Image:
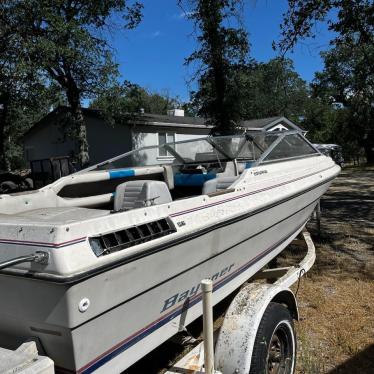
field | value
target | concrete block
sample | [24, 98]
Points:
[25, 360]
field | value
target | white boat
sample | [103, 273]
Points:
[104, 265]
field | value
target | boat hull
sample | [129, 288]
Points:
[137, 305]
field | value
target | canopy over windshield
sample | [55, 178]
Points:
[258, 147]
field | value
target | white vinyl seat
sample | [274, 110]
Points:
[229, 170]
[217, 184]
[141, 193]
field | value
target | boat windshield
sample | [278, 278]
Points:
[256, 147]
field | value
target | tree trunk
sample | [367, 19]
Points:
[80, 131]
[83, 155]
[210, 17]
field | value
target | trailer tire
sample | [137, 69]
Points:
[274, 349]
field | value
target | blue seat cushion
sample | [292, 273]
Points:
[181, 179]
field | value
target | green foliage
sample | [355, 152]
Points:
[353, 17]
[66, 39]
[121, 102]
[221, 53]
[23, 115]
[266, 89]
[348, 75]
[25, 95]
[274, 88]
[66, 42]
[232, 87]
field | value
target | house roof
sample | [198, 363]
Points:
[167, 120]
[267, 123]
[259, 123]
[138, 119]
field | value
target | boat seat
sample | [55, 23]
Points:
[229, 170]
[141, 193]
[219, 183]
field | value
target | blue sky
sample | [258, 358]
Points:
[152, 55]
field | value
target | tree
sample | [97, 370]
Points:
[121, 102]
[66, 40]
[24, 95]
[266, 89]
[347, 79]
[348, 76]
[221, 53]
[8, 73]
[272, 89]
[353, 17]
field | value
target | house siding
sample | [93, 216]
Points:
[48, 141]
[106, 141]
[144, 136]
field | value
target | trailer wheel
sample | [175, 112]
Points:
[274, 350]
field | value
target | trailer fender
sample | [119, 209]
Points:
[234, 346]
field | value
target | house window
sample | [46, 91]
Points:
[165, 137]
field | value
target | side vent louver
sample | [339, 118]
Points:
[118, 240]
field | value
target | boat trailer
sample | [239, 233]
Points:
[237, 340]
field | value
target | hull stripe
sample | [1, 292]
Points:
[191, 267]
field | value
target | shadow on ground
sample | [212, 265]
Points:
[363, 362]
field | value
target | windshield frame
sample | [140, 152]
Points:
[248, 137]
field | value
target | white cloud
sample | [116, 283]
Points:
[156, 34]
[183, 15]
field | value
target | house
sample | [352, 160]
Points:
[46, 138]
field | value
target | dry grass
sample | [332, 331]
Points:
[337, 322]
[336, 331]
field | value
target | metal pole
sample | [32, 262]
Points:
[207, 288]
[39, 257]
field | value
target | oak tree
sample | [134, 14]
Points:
[68, 41]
